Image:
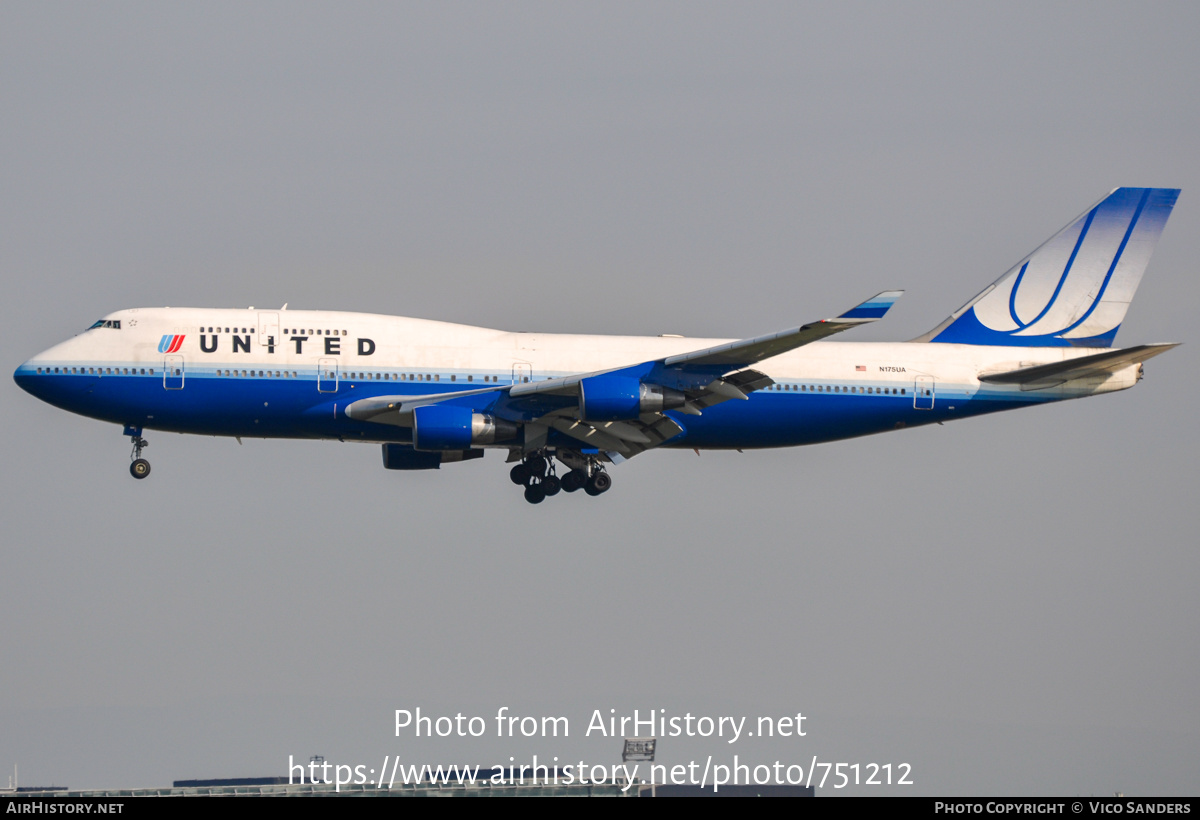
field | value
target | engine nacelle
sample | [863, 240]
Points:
[438, 427]
[403, 457]
[619, 398]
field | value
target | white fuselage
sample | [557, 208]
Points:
[211, 370]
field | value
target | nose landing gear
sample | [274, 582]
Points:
[139, 468]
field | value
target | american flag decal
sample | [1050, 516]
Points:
[860, 367]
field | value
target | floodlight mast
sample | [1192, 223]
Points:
[641, 749]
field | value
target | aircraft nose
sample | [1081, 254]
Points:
[26, 377]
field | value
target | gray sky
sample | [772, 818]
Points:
[1006, 603]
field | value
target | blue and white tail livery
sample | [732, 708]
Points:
[1073, 290]
[434, 393]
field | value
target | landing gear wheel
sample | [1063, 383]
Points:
[519, 474]
[598, 483]
[551, 484]
[574, 480]
[536, 465]
[535, 494]
[139, 467]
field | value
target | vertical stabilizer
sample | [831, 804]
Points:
[1074, 290]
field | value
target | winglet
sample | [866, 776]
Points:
[871, 310]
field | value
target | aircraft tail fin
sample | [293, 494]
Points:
[1072, 291]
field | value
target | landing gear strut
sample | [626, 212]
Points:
[537, 474]
[139, 468]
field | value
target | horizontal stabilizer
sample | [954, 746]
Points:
[1078, 368]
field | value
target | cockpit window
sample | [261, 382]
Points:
[113, 323]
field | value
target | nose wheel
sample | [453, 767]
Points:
[139, 468]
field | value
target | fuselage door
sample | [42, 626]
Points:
[268, 331]
[923, 393]
[173, 372]
[522, 372]
[327, 375]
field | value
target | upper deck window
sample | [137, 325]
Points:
[113, 323]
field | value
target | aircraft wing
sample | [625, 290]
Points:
[623, 411]
[753, 350]
[628, 437]
[733, 355]
[398, 410]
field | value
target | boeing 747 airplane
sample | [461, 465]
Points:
[433, 393]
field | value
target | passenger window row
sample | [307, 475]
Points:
[837, 388]
[435, 377]
[286, 331]
[96, 371]
[414, 377]
[266, 374]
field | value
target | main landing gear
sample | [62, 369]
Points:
[537, 474]
[139, 468]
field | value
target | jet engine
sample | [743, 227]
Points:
[436, 427]
[619, 398]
